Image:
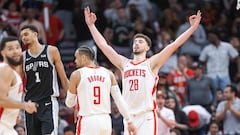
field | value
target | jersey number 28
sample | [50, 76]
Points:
[133, 84]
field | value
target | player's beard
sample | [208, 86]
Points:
[13, 62]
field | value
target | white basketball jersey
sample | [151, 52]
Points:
[139, 87]
[93, 91]
[8, 117]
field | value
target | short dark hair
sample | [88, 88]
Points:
[140, 35]
[5, 40]
[233, 89]
[87, 51]
[31, 27]
[68, 128]
[19, 125]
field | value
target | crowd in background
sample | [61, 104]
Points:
[200, 58]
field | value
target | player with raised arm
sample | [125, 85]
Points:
[140, 74]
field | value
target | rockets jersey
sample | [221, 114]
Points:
[41, 75]
[8, 116]
[139, 87]
[93, 91]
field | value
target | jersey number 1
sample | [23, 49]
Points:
[96, 94]
[37, 77]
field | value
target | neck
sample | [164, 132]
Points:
[233, 99]
[90, 64]
[199, 77]
[139, 57]
[35, 47]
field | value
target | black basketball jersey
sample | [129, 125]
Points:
[41, 75]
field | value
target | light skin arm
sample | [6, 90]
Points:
[168, 122]
[131, 127]
[160, 58]
[220, 115]
[74, 81]
[181, 126]
[6, 80]
[56, 58]
[234, 112]
[115, 58]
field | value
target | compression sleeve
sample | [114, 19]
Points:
[121, 104]
[70, 99]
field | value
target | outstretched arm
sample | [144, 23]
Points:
[160, 58]
[108, 51]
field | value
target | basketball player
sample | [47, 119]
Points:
[93, 85]
[41, 65]
[11, 88]
[140, 73]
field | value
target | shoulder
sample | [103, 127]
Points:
[5, 70]
[221, 103]
[225, 44]
[108, 71]
[52, 50]
[208, 47]
[75, 75]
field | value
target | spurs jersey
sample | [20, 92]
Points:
[41, 75]
[8, 117]
[93, 91]
[139, 87]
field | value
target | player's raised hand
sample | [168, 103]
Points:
[90, 17]
[131, 129]
[30, 107]
[194, 20]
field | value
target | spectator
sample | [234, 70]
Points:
[193, 46]
[214, 129]
[198, 117]
[3, 23]
[180, 117]
[174, 131]
[234, 66]
[13, 17]
[55, 32]
[111, 11]
[69, 130]
[117, 119]
[143, 7]
[217, 56]
[64, 10]
[178, 78]
[164, 87]
[123, 32]
[200, 86]
[166, 119]
[20, 129]
[30, 20]
[219, 96]
[228, 111]
[61, 125]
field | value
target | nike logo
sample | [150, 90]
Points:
[46, 104]
[27, 59]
